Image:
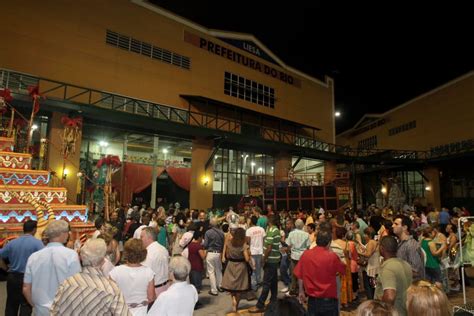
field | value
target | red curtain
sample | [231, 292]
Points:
[180, 176]
[137, 177]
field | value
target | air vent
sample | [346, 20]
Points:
[136, 46]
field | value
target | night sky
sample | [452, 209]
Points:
[380, 54]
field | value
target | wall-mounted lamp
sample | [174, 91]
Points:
[65, 173]
[428, 188]
[205, 180]
[383, 190]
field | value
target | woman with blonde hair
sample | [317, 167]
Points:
[375, 308]
[425, 298]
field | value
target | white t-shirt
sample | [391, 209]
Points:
[157, 259]
[178, 300]
[256, 234]
[133, 282]
[138, 232]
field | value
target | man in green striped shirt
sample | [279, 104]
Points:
[271, 262]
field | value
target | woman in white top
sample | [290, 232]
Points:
[371, 251]
[135, 280]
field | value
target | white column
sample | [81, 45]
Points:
[154, 171]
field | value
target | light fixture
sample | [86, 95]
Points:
[260, 169]
[383, 190]
[79, 174]
[34, 127]
[165, 150]
[252, 164]
[205, 180]
[427, 188]
[215, 157]
[337, 114]
[65, 173]
[103, 143]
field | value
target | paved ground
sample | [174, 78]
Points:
[221, 305]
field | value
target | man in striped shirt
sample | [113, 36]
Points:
[90, 292]
[271, 262]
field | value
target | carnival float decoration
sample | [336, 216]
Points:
[107, 166]
[26, 193]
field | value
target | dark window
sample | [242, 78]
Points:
[248, 90]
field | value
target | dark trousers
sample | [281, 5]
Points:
[323, 306]
[270, 284]
[195, 278]
[369, 290]
[355, 282]
[294, 279]
[284, 265]
[15, 299]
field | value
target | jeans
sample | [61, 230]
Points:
[256, 274]
[195, 278]
[15, 299]
[270, 284]
[284, 265]
[322, 306]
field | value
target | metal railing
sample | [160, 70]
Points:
[55, 90]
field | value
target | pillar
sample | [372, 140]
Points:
[154, 171]
[282, 166]
[433, 195]
[329, 171]
[200, 196]
[122, 170]
[55, 157]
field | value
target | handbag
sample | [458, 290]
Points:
[362, 260]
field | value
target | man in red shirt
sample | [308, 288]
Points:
[316, 273]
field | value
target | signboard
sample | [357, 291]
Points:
[230, 54]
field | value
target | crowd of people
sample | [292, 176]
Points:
[153, 262]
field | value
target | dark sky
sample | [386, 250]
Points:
[380, 54]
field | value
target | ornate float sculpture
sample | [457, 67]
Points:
[107, 166]
[26, 193]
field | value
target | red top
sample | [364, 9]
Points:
[194, 257]
[317, 268]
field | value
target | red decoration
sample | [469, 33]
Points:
[71, 122]
[20, 123]
[34, 93]
[6, 95]
[109, 160]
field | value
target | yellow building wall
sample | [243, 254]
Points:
[57, 163]
[443, 116]
[200, 197]
[64, 40]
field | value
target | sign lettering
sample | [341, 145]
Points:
[236, 57]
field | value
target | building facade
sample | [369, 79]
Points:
[437, 124]
[161, 91]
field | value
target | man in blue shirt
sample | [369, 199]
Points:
[17, 252]
[48, 268]
[443, 219]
